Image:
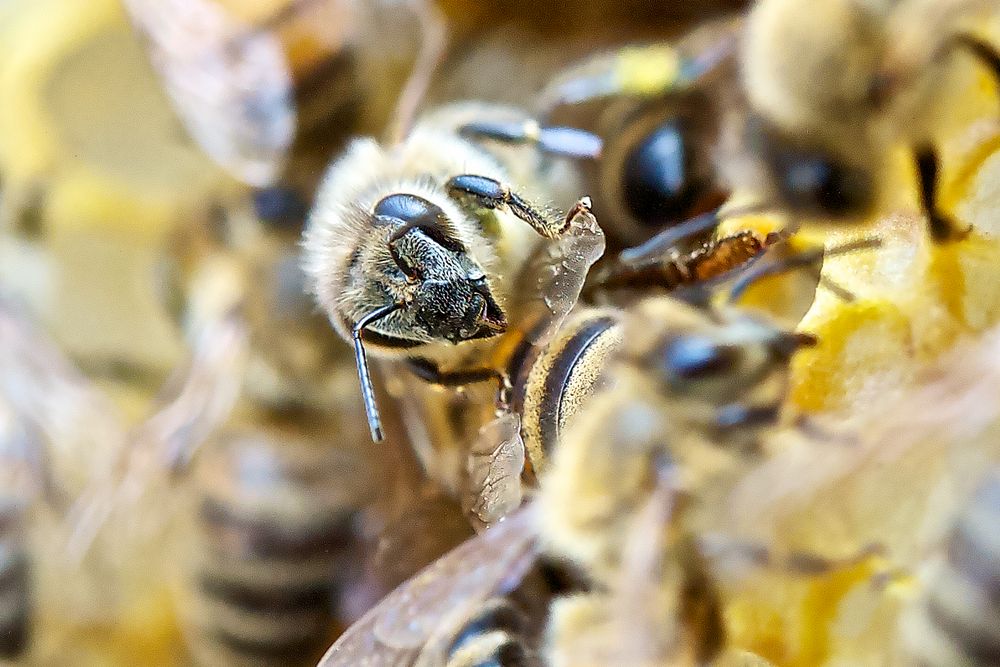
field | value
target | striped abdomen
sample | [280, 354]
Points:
[958, 622]
[553, 382]
[15, 580]
[495, 636]
[273, 532]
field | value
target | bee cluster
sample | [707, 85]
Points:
[444, 333]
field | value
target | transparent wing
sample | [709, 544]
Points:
[77, 427]
[496, 460]
[396, 629]
[554, 277]
[195, 405]
[230, 84]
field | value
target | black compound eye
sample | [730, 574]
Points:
[658, 183]
[821, 183]
[696, 357]
[280, 207]
[810, 178]
[406, 207]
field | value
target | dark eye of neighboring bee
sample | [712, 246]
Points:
[280, 207]
[657, 183]
[811, 179]
[694, 357]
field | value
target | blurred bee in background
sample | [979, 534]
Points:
[92, 528]
[955, 621]
[832, 88]
[275, 545]
[646, 121]
[21, 488]
[686, 383]
[270, 91]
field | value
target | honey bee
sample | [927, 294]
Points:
[423, 618]
[270, 92]
[276, 521]
[649, 154]
[685, 381]
[414, 246]
[832, 88]
[953, 623]
[94, 495]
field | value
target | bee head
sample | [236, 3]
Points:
[450, 295]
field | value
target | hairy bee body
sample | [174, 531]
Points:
[834, 88]
[958, 620]
[344, 250]
[275, 527]
[685, 388]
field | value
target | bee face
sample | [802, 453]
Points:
[722, 362]
[448, 296]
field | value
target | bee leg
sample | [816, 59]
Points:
[718, 547]
[428, 371]
[671, 237]
[554, 140]
[942, 227]
[490, 193]
[806, 259]
[712, 261]
[983, 51]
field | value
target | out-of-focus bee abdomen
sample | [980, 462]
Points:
[493, 636]
[272, 531]
[556, 381]
[15, 584]
[958, 622]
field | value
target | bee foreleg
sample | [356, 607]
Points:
[428, 371]
[491, 193]
[942, 227]
[553, 140]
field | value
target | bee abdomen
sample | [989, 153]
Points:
[562, 376]
[15, 582]
[959, 621]
[493, 637]
[271, 539]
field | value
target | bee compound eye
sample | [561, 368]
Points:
[657, 179]
[696, 357]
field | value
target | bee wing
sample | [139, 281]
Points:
[644, 70]
[395, 631]
[554, 277]
[230, 84]
[195, 407]
[78, 429]
[496, 460]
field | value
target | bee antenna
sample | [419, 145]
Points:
[367, 390]
[805, 259]
[434, 29]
